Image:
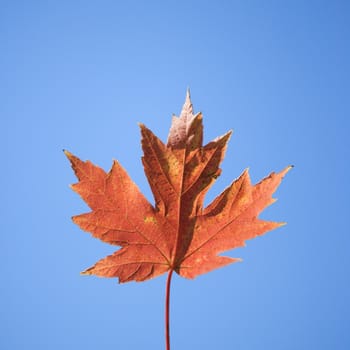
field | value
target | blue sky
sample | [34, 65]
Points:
[80, 75]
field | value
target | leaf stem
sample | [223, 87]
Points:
[167, 304]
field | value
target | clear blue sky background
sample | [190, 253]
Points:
[80, 75]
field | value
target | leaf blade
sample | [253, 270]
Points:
[177, 233]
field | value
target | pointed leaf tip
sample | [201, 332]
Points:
[188, 94]
[187, 107]
[67, 153]
[287, 169]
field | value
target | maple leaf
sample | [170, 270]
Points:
[177, 233]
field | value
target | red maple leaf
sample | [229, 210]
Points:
[177, 233]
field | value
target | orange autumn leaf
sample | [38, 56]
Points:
[177, 233]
